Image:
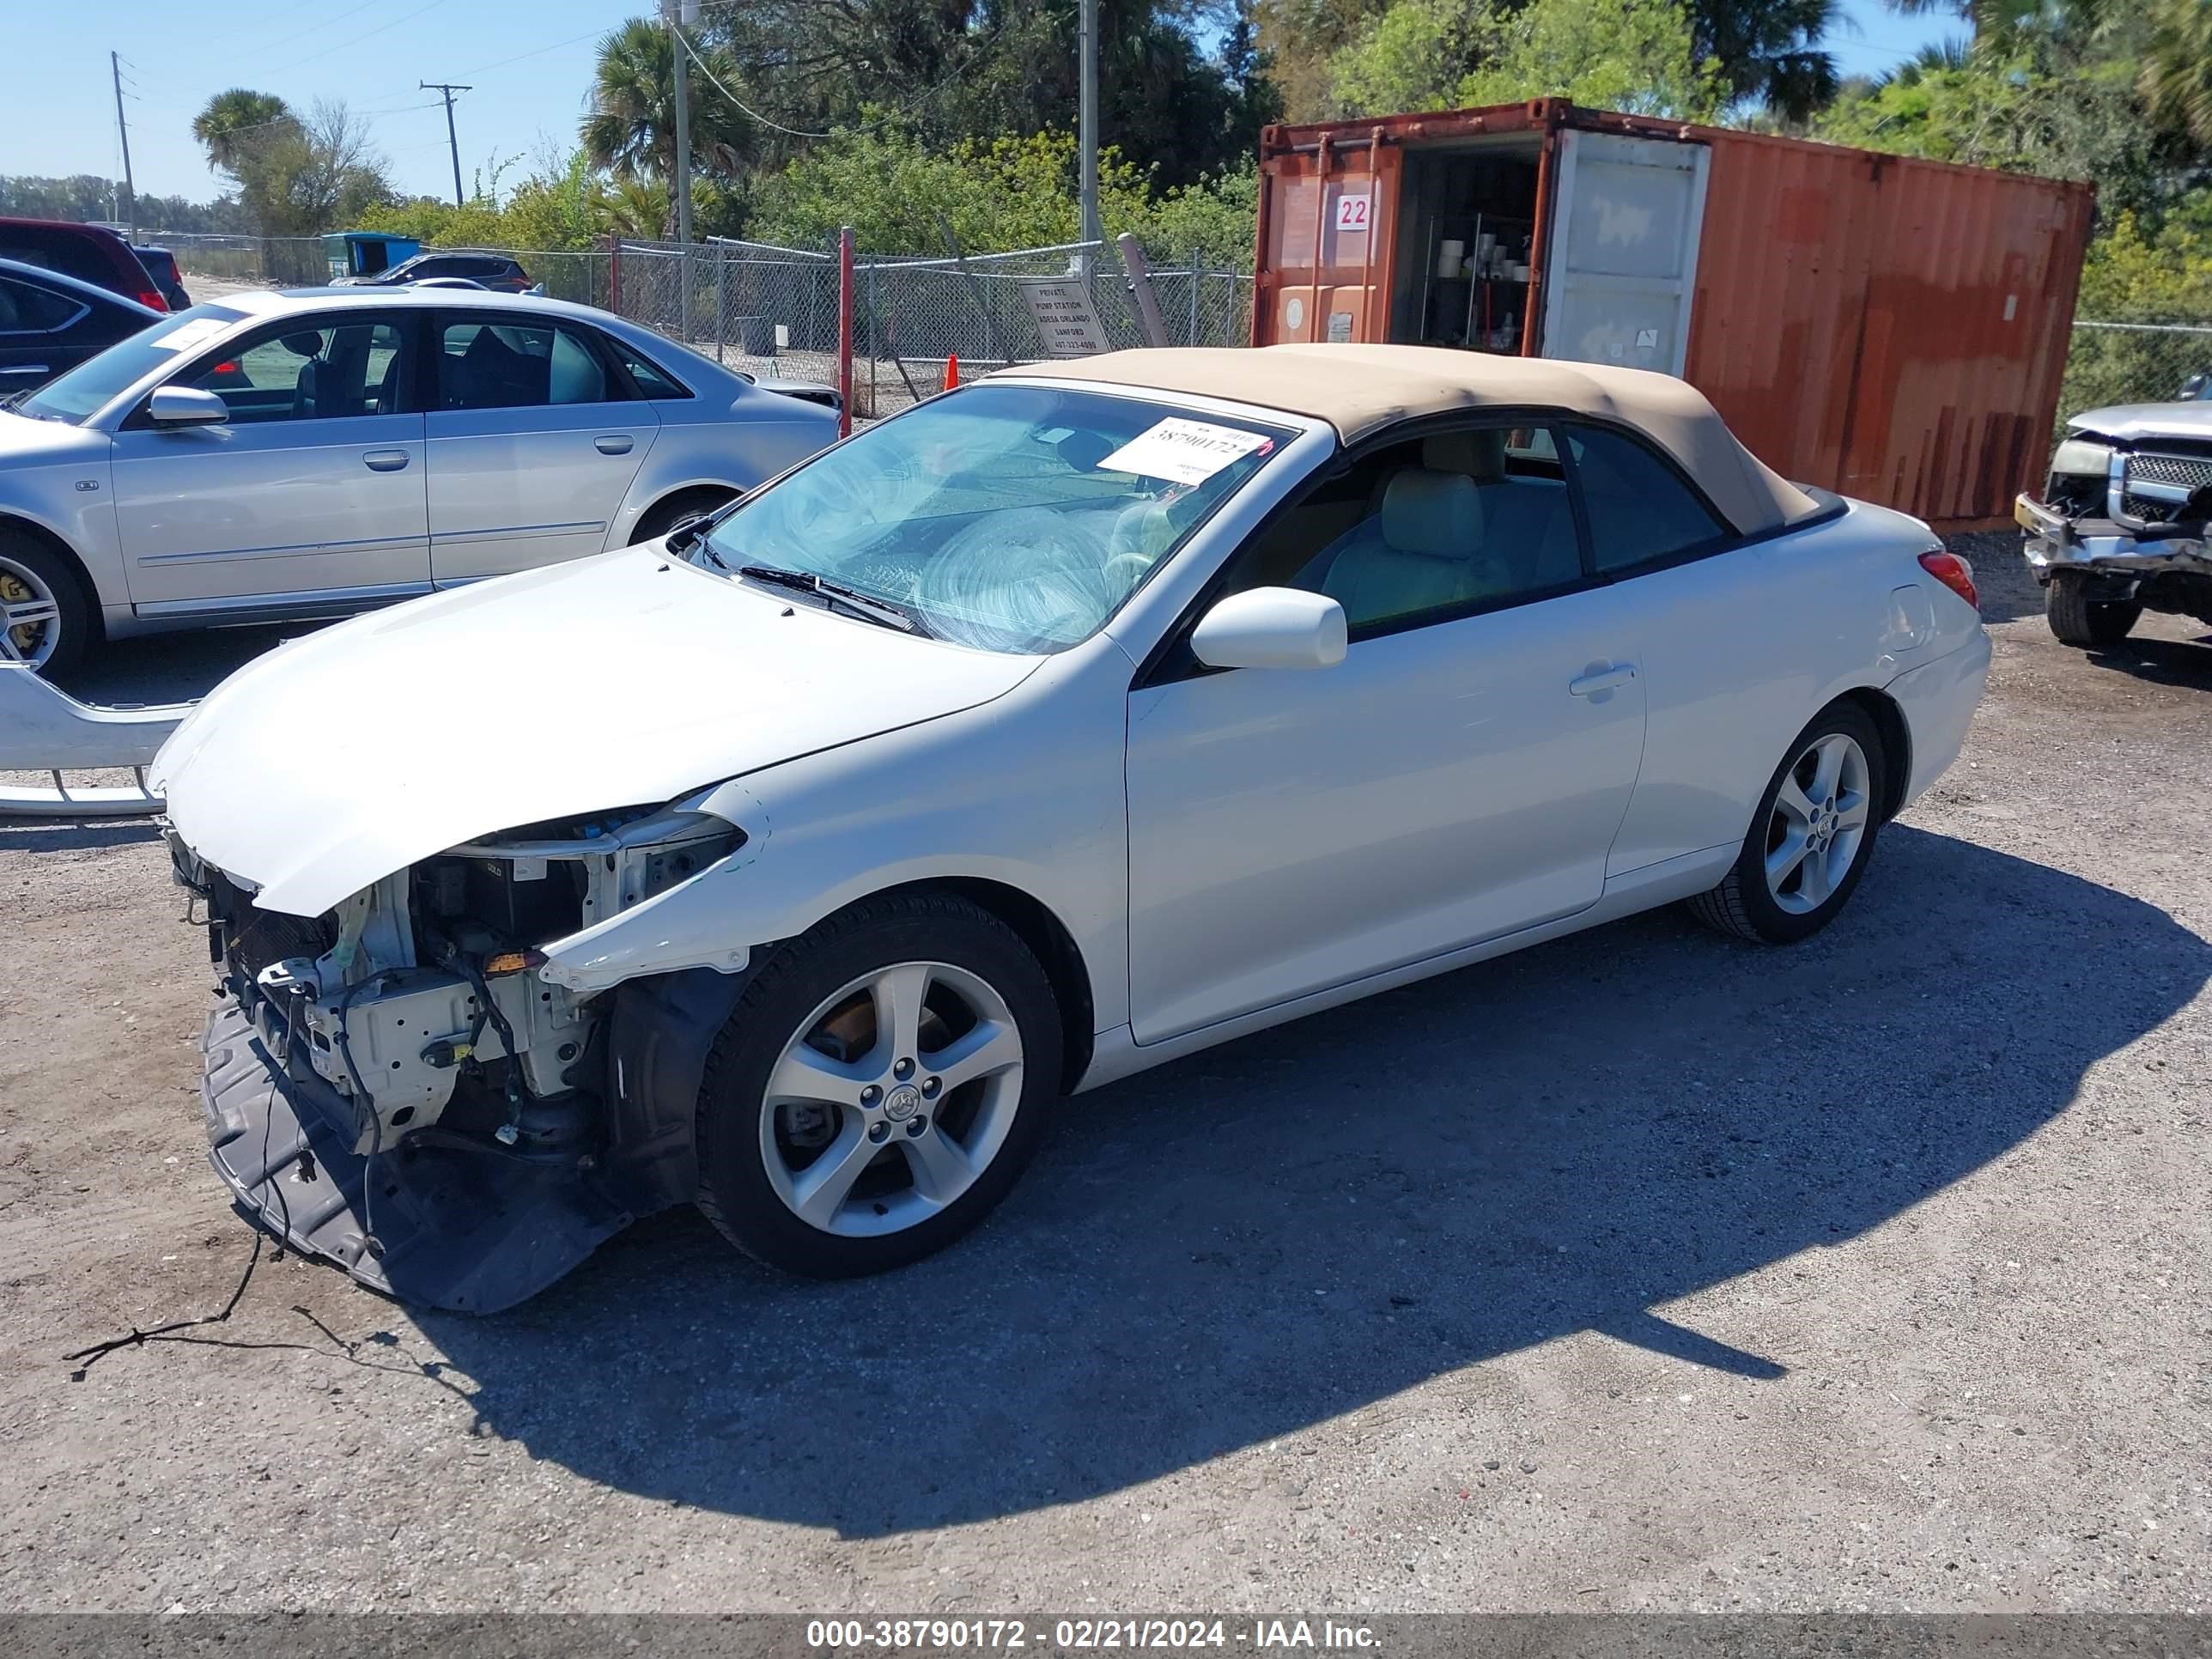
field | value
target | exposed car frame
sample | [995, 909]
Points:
[2120, 526]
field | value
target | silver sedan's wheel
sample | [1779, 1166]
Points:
[892, 1099]
[1819, 818]
[30, 614]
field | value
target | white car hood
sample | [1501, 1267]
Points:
[625, 679]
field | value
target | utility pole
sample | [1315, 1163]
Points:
[1086, 136]
[678, 13]
[455, 143]
[122, 132]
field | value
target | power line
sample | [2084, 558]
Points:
[302, 35]
[356, 39]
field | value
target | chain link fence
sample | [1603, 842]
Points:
[2109, 363]
[773, 312]
[584, 276]
[248, 261]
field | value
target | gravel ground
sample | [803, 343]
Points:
[1640, 1270]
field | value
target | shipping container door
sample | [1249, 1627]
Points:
[1327, 222]
[1623, 259]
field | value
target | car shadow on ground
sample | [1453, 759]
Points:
[171, 667]
[2186, 663]
[1260, 1238]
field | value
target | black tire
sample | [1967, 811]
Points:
[1742, 905]
[664, 516]
[76, 621]
[735, 1189]
[2092, 624]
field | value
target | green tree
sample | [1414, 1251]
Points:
[1763, 52]
[1634, 55]
[235, 125]
[951, 70]
[295, 175]
[2176, 80]
[629, 124]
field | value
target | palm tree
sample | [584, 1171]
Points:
[629, 126]
[631, 207]
[232, 121]
[2176, 70]
[1952, 51]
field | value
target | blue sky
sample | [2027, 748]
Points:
[529, 61]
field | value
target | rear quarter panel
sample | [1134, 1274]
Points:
[740, 448]
[1739, 650]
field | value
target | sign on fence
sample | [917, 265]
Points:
[1066, 321]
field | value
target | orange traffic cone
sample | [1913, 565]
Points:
[951, 371]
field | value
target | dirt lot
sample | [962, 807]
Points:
[1640, 1270]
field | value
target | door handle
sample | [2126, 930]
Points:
[24, 369]
[383, 460]
[612, 443]
[1602, 679]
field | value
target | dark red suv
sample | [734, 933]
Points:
[87, 252]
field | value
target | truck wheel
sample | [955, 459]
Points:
[1810, 838]
[878, 1087]
[2092, 624]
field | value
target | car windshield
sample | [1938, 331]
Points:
[95, 381]
[1008, 518]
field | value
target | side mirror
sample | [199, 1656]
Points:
[186, 405]
[1272, 628]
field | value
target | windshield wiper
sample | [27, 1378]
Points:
[865, 605]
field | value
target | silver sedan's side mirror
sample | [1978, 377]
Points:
[1272, 628]
[186, 405]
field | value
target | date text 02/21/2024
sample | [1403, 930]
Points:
[1083, 1635]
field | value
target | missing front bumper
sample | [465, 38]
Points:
[2104, 549]
[458, 1229]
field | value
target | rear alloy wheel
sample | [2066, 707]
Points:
[2092, 624]
[1811, 836]
[878, 1087]
[44, 619]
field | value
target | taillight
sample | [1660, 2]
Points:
[1954, 572]
[152, 299]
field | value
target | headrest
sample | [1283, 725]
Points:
[1438, 513]
[1480, 455]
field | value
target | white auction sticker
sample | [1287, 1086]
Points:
[198, 331]
[1186, 451]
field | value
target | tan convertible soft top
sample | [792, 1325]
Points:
[1362, 389]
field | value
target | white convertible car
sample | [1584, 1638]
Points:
[796, 866]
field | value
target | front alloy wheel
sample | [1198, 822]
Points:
[879, 1086]
[31, 621]
[875, 1143]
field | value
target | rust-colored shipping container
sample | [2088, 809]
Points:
[1891, 328]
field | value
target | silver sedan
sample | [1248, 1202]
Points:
[311, 454]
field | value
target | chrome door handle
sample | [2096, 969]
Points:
[1602, 679]
[613, 443]
[383, 460]
[24, 369]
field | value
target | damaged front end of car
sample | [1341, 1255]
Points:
[405, 1085]
[2124, 515]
